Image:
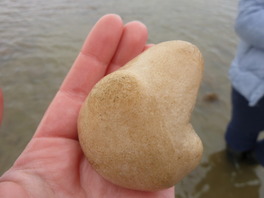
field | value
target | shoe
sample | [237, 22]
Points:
[246, 157]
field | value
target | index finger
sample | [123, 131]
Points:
[60, 120]
[96, 53]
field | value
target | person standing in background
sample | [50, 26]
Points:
[247, 79]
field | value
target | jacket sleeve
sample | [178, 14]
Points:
[250, 23]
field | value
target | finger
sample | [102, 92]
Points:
[132, 43]
[60, 120]
[96, 54]
[148, 46]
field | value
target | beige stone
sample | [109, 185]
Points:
[134, 127]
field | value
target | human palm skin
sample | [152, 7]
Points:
[53, 164]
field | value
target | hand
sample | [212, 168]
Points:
[53, 164]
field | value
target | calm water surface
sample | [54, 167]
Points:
[39, 41]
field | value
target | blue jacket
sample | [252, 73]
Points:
[247, 69]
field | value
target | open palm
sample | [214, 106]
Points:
[53, 164]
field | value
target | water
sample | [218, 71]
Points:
[39, 41]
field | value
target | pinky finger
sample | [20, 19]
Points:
[148, 46]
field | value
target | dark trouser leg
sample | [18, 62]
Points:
[259, 150]
[246, 123]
